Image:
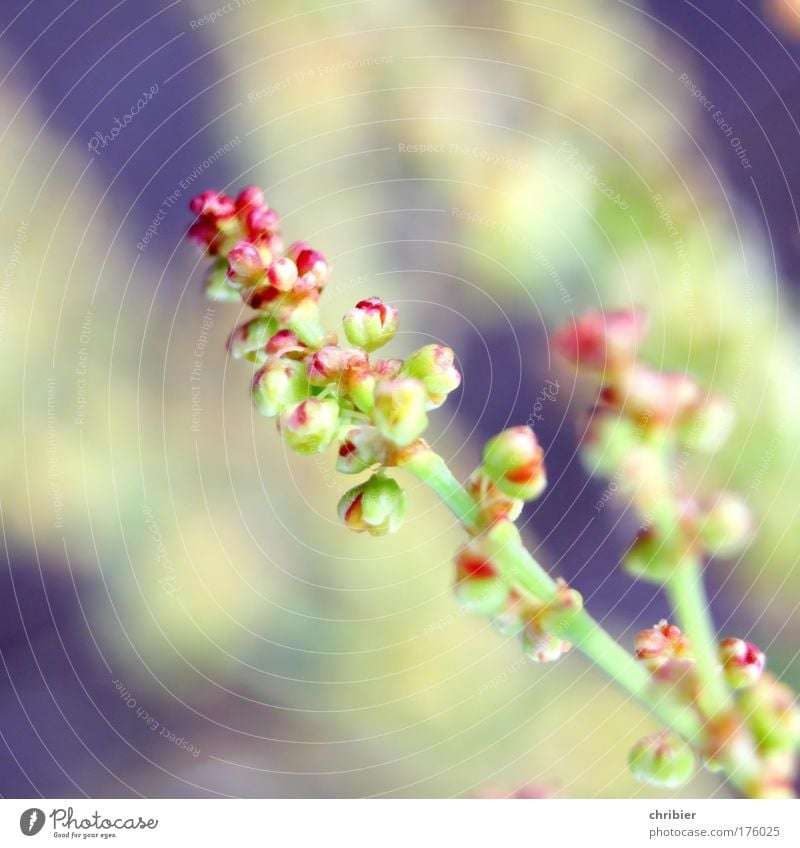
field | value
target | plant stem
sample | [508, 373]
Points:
[516, 562]
[686, 594]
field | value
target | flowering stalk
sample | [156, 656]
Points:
[375, 411]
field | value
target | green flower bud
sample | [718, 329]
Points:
[724, 524]
[433, 365]
[251, 336]
[772, 713]
[399, 411]
[281, 384]
[479, 589]
[371, 323]
[514, 461]
[651, 558]
[662, 760]
[377, 506]
[359, 449]
[707, 424]
[311, 426]
[218, 286]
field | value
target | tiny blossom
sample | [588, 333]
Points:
[479, 587]
[742, 662]
[434, 366]
[360, 448]
[400, 410]
[311, 426]
[514, 461]
[371, 323]
[660, 643]
[279, 385]
[282, 274]
[602, 340]
[663, 760]
[377, 506]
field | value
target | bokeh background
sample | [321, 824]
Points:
[180, 612]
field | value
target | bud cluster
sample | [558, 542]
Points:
[321, 392]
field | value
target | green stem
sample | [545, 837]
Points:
[520, 567]
[686, 594]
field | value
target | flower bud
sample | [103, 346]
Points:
[540, 646]
[359, 449]
[514, 461]
[661, 643]
[652, 558]
[609, 441]
[218, 285]
[707, 424]
[772, 712]
[602, 340]
[399, 412]
[248, 199]
[213, 205]
[493, 505]
[262, 222]
[282, 274]
[370, 324]
[742, 662]
[251, 336]
[662, 760]
[377, 506]
[311, 263]
[279, 385]
[311, 426]
[246, 262]
[479, 589]
[433, 365]
[648, 396]
[724, 524]
[330, 363]
[285, 342]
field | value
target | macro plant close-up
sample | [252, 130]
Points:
[401, 403]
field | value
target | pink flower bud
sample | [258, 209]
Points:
[514, 461]
[433, 364]
[262, 222]
[246, 261]
[371, 323]
[742, 662]
[663, 760]
[282, 274]
[399, 412]
[331, 363]
[602, 340]
[377, 506]
[386, 369]
[213, 205]
[651, 397]
[658, 644]
[279, 385]
[205, 234]
[725, 524]
[359, 449]
[311, 263]
[284, 341]
[296, 248]
[248, 199]
[311, 426]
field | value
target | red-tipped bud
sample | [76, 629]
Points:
[262, 222]
[311, 426]
[280, 385]
[246, 261]
[661, 643]
[479, 588]
[377, 506]
[296, 248]
[311, 263]
[213, 205]
[359, 449]
[742, 662]
[330, 364]
[282, 274]
[514, 461]
[663, 760]
[371, 323]
[434, 366]
[248, 199]
[284, 342]
[602, 340]
[251, 336]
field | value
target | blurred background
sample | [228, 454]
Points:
[180, 612]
